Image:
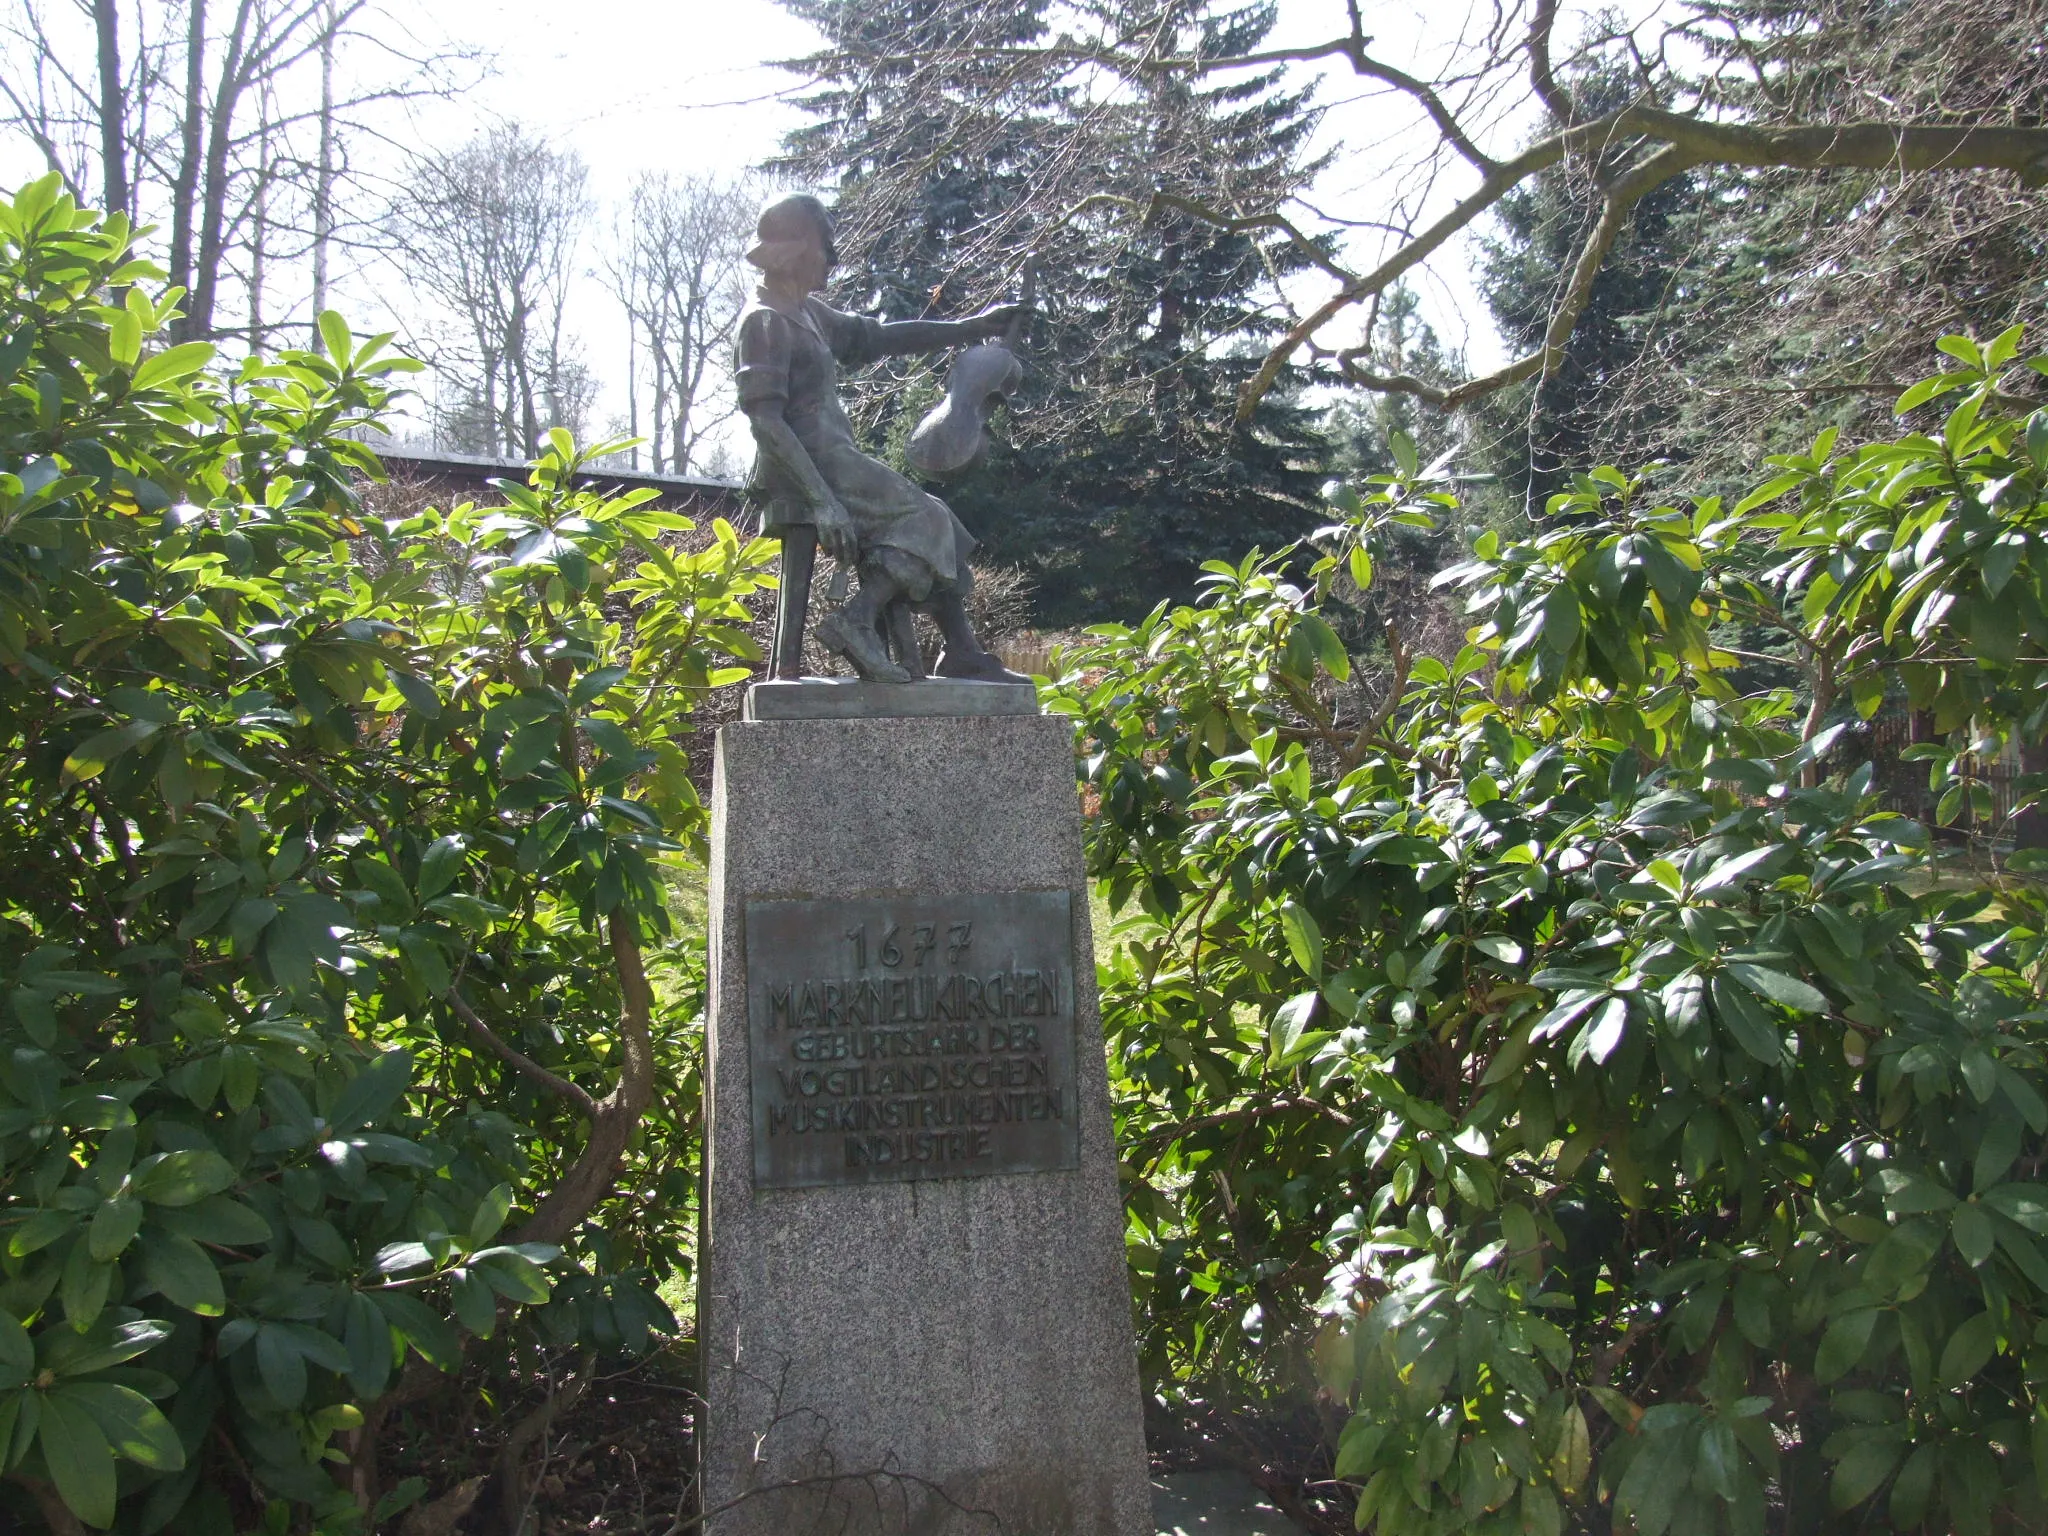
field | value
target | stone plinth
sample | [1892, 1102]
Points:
[849, 698]
[913, 1310]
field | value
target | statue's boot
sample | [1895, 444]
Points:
[964, 656]
[844, 634]
[977, 666]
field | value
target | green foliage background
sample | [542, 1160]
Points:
[335, 952]
[1565, 1063]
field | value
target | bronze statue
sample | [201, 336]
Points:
[909, 549]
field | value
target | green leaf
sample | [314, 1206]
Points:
[172, 364]
[185, 1273]
[1304, 939]
[438, 866]
[491, 1212]
[421, 1326]
[1561, 625]
[476, 1304]
[1912, 1194]
[1912, 1490]
[89, 759]
[1973, 1233]
[512, 1275]
[1656, 1478]
[280, 1364]
[1746, 1021]
[114, 1226]
[374, 1092]
[216, 1219]
[80, 1460]
[1719, 1468]
[1843, 1343]
[17, 1357]
[2026, 1204]
[1290, 1023]
[1928, 389]
[127, 1341]
[1329, 650]
[529, 747]
[334, 335]
[83, 1288]
[368, 1337]
[1603, 1032]
[182, 1178]
[1963, 349]
[1779, 988]
[1402, 446]
[1495, 947]
[1861, 1472]
[1995, 1153]
[1968, 1351]
[1358, 1445]
[39, 1231]
[1571, 1463]
[134, 1428]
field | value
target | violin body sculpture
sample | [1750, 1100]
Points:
[954, 434]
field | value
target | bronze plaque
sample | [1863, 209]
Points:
[913, 1037]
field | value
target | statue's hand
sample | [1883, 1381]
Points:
[835, 533]
[996, 319]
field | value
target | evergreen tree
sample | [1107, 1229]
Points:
[1124, 471]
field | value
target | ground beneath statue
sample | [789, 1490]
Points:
[618, 1463]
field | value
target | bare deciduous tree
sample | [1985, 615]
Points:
[675, 266]
[196, 116]
[487, 234]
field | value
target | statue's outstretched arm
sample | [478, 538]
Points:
[781, 450]
[898, 337]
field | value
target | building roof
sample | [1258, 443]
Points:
[464, 469]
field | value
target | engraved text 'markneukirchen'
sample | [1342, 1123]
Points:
[940, 1044]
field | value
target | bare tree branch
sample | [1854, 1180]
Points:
[520, 1062]
[1541, 77]
[1688, 142]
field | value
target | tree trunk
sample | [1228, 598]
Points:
[259, 235]
[185, 187]
[633, 381]
[214, 203]
[113, 110]
[323, 172]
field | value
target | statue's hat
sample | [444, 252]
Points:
[785, 224]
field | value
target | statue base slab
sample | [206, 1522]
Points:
[850, 698]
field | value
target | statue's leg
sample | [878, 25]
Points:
[793, 601]
[902, 622]
[855, 631]
[964, 655]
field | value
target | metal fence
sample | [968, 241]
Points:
[1902, 781]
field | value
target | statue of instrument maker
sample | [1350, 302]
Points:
[908, 547]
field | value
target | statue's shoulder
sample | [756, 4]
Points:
[762, 317]
[850, 337]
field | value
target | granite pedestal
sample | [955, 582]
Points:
[913, 1309]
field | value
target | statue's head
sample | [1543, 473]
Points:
[793, 239]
